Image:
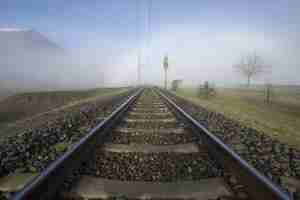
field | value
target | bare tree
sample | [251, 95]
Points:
[250, 66]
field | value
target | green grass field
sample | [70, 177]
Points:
[280, 118]
[20, 106]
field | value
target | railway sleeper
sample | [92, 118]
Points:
[148, 148]
[95, 188]
[152, 115]
[139, 136]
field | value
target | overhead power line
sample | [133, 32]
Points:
[146, 29]
[149, 21]
[138, 42]
[148, 36]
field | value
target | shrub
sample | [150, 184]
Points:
[206, 91]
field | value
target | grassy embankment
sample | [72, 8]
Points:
[30, 105]
[280, 118]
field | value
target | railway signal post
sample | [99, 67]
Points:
[166, 66]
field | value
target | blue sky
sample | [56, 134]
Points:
[110, 27]
[71, 22]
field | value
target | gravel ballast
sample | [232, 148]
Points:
[278, 161]
[151, 167]
[33, 149]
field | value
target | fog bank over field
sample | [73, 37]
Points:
[30, 61]
[198, 55]
[195, 56]
[100, 46]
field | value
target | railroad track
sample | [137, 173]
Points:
[149, 148]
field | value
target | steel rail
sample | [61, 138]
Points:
[47, 184]
[257, 185]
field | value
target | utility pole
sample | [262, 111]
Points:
[139, 68]
[166, 66]
[138, 42]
